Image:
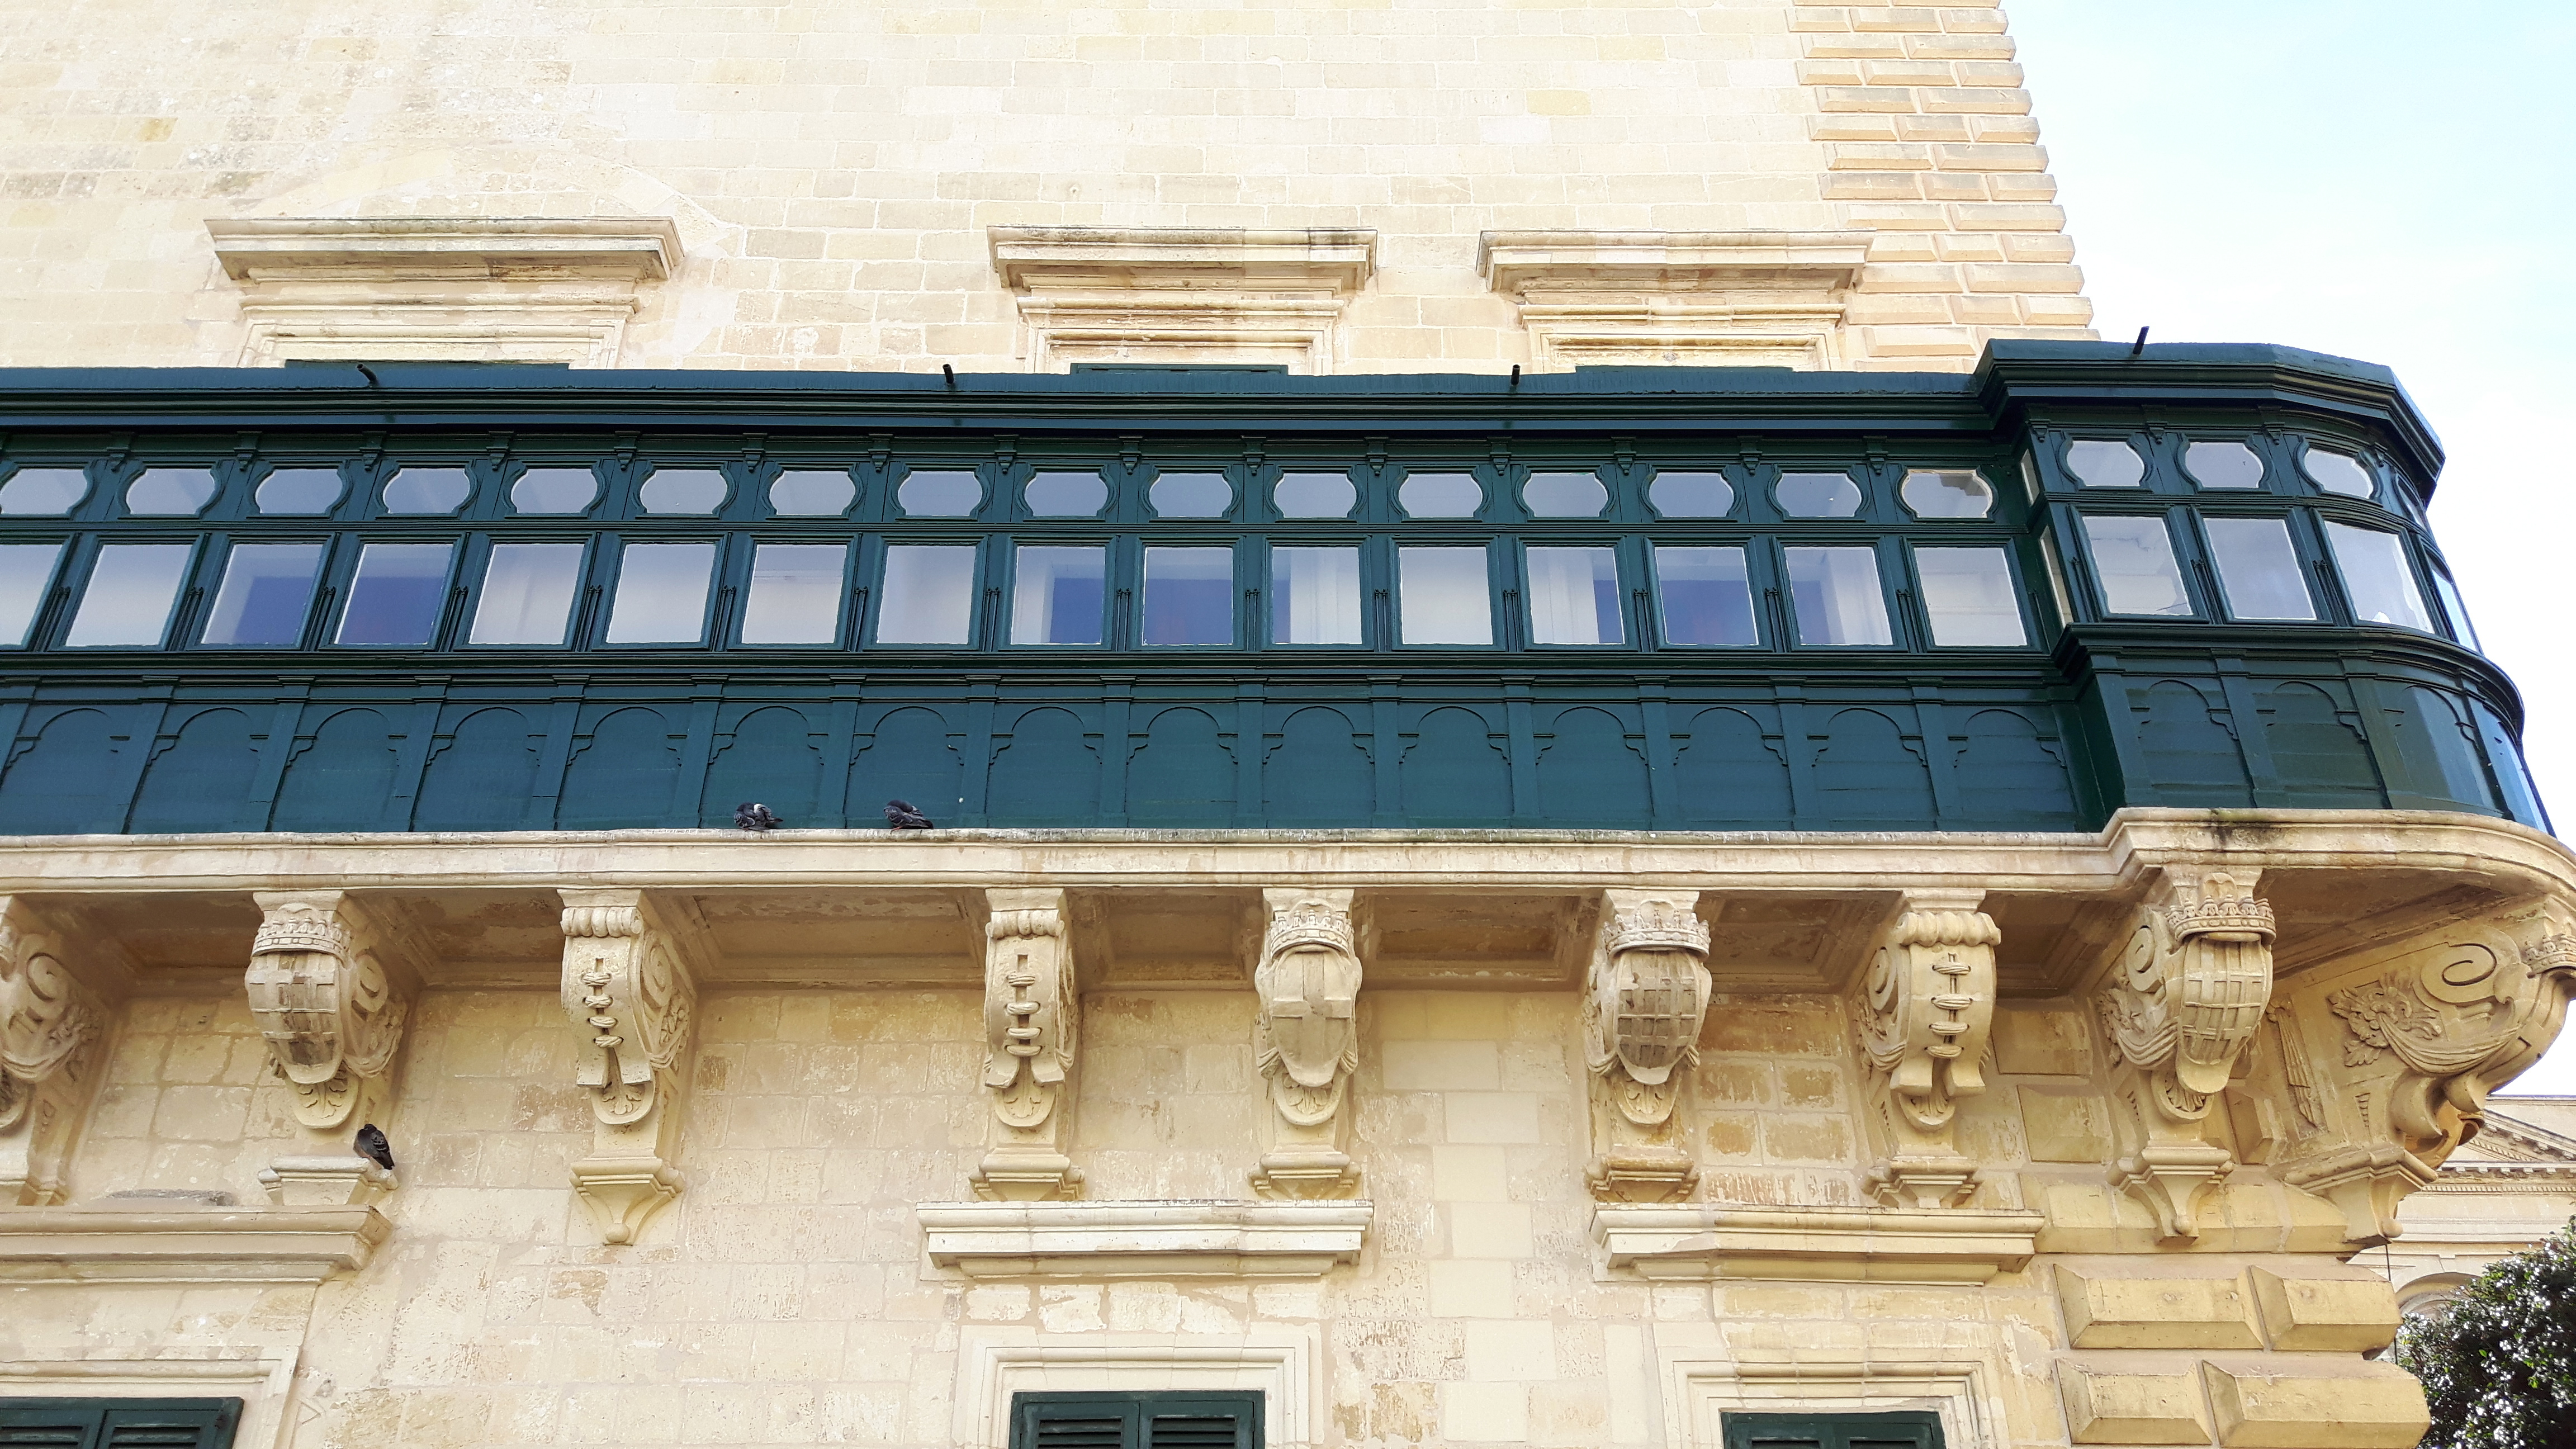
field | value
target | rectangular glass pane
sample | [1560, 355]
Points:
[527, 594]
[1968, 596]
[130, 592]
[1707, 597]
[2376, 576]
[2057, 590]
[795, 593]
[2134, 558]
[1574, 596]
[929, 594]
[1058, 593]
[1314, 596]
[1836, 596]
[662, 593]
[267, 590]
[2258, 570]
[1442, 596]
[2461, 628]
[25, 571]
[1189, 596]
[396, 594]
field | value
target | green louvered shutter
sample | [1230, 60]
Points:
[119, 1423]
[1907, 1430]
[1219, 1420]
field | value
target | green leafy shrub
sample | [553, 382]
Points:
[2499, 1367]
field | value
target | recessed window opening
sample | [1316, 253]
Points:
[26, 570]
[1058, 594]
[2223, 465]
[1817, 495]
[662, 593]
[1932, 493]
[43, 492]
[2375, 575]
[928, 595]
[1314, 495]
[1066, 495]
[695, 491]
[2339, 473]
[1443, 596]
[170, 492]
[2258, 569]
[131, 590]
[940, 494]
[1315, 596]
[267, 589]
[1191, 495]
[1189, 596]
[1574, 596]
[2104, 463]
[1440, 495]
[1968, 597]
[2134, 559]
[554, 491]
[299, 492]
[527, 594]
[795, 595]
[1691, 495]
[1707, 597]
[1836, 595]
[812, 493]
[427, 490]
[1565, 495]
[397, 593]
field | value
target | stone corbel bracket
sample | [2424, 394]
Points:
[331, 982]
[630, 972]
[1815, 1244]
[1926, 1006]
[1032, 1032]
[53, 1025]
[2180, 1001]
[188, 1245]
[1306, 1044]
[1645, 997]
[1145, 1239]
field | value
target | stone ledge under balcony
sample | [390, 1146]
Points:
[1815, 1244]
[1193, 1239]
[187, 1245]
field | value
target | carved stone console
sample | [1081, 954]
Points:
[1306, 1044]
[331, 981]
[1927, 1003]
[51, 1027]
[1032, 1020]
[2179, 1004]
[1644, 1000]
[630, 971]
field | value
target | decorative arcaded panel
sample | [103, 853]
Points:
[203, 1245]
[1818, 1244]
[1145, 1239]
[445, 248]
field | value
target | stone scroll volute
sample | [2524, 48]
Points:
[1645, 998]
[1306, 1044]
[630, 970]
[52, 1030]
[1926, 1007]
[330, 982]
[1032, 1029]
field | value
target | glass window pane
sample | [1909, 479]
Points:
[1947, 494]
[1691, 495]
[951, 493]
[2134, 558]
[554, 490]
[527, 594]
[2339, 473]
[662, 593]
[427, 490]
[1968, 596]
[1314, 495]
[1189, 596]
[1315, 596]
[1565, 495]
[2223, 465]
[812, 493]
[2105, 463]
[1817, 495]
[1574, 596]
[1066, 495]
[26, 569]
[929, 594]
[169, 492]
[1836, 596]
[2457, 612]
[2029, 477]
[131, 589]
[1440, 495]
[266, 592]
[2258, 570]
[300, 492]
[796, 591]
[683, 490]
[1058, 594]
[1707, 597]
[396, 596]
[1191, 495]
[43, 492]
[1442, 596]
[2376, 576]
[2057, 590]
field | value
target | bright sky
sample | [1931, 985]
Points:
[2378, 180]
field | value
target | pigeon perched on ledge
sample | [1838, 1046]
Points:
[903, 817]
[755, 818]
[373, 1147]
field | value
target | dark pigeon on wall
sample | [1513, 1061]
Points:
[755, 817]
[903, 817]
[373, 1146]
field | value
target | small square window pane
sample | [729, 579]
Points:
[2057, 590]
[948, 493]
[527, 594]
[130, 591]
[1443, 596]
[1574, 596]
[1565, 495]
[662, 593]
[1191, 495]
[1707, 597]
[812, 493]
[266, 592]
[2223, 465]
[1968, 596]
[1691, 495]
[1440, 495]
[1315, 596]
[554, 490]
[2258, 570]
[170, 492]
[1314, 495]
[26, 569]
[2134, 558]
[43, 492]
[1836, 595]
[2339, 473]
[1817, 495]
[796, 591]
[397, 593]
[2105, 463]
[2458, 612]
[1189, 596]
[1947, 493]
[299, 492]
[427, 490]
[697, 491]
[1066, 495]
[1058, 594]
[929, 594]
[2376, 576]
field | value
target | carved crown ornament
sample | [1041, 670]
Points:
[630, 972]
[1306, 1043]
[51, 1026]
[1926, 1008]
[330, 982]
[1645, 998]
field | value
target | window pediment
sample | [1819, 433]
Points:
[1181, 294]
[1746, 298]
